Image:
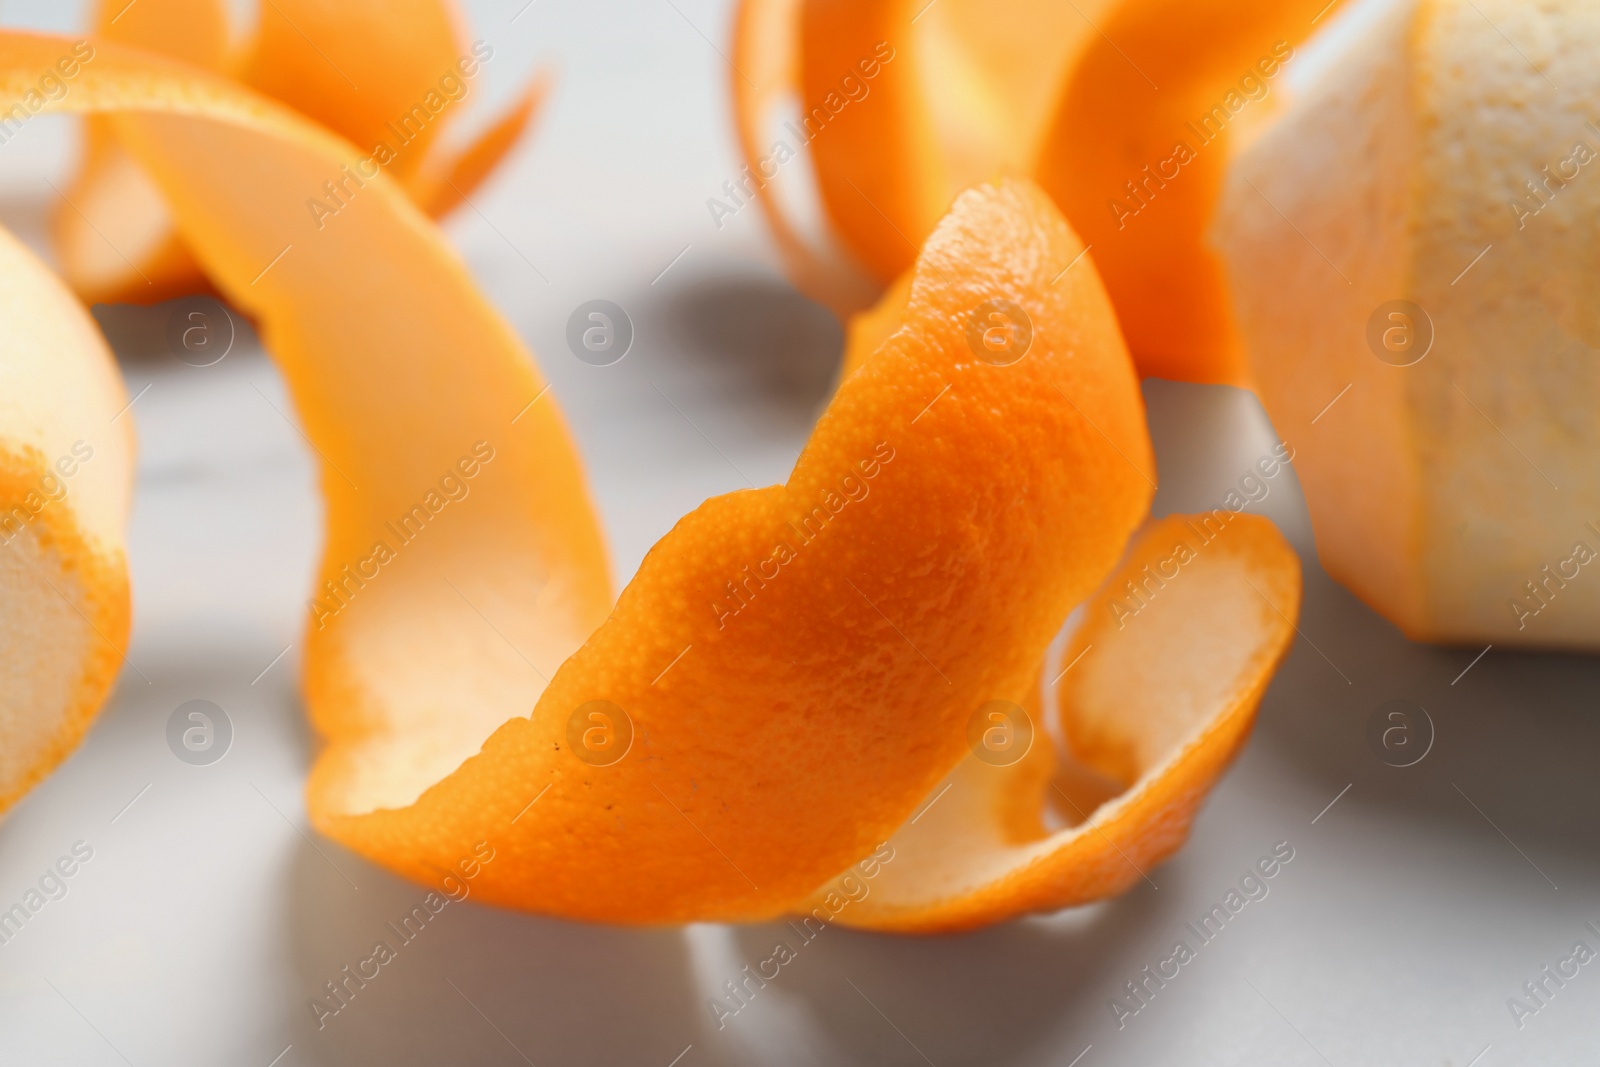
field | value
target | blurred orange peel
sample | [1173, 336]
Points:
[389, 75]
[789, 682]
[901, 104]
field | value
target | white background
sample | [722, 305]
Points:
[210, 913]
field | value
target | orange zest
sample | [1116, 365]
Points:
[1157, 697]
[1136, 152]
[798, 663]
[903, 103]
[794, 670]
[389, 76]
[764, 69]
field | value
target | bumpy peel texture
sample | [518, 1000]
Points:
[1127, 113]
[794, 667]
[390, 72]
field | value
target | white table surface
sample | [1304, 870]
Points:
[210, 914]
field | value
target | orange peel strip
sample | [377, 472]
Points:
[391, 73]
[1113, 122]
[366, 317]
[66, 468]
[756, 769]
[361, 68]
[1067, 92]
[946, 515]
[890, 584]
[114, 235]
[764, 76]
[450, 177]
[879, 171]
[1156, 702]
[903, 104]
[960, 93]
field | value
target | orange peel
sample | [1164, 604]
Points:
[863, 607]
[1064, 92]
[764, 69]
[1158, 698]
[902, 104]
[793, 669]
[1142, 135]
[379, 73]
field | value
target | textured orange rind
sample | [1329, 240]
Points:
[378, 72]
[793, 669]
[902, 103]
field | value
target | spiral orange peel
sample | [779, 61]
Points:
[902, 104]
[1086, 97]
[793, 670]
[1143, 132]
[1154, 706]
[390, 73]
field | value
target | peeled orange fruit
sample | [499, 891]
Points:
[1411, 249]
[66, 464]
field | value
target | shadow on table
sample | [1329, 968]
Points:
[475, 984]
[989, 997]
[1514, 733]
[1513, 738]
[1510, 769]
[194, 331]
[758, 335]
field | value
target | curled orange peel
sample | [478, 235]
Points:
[793, 670]
[370, 315]
[112, 234]
[1155, 702]
[960, 92]
[1142, 135]
[377, 72]
[764, 68]
[797, 663]
[1082, 96]
[900, 105]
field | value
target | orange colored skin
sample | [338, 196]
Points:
[944, 519]
[794, 736]
[446, 183]
[196, 32]
[981, 855]
[396, 53]
[883, 175]
[1113, 121]
[892, 136]
[358, 65]
[763, 74]
[878, 168]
